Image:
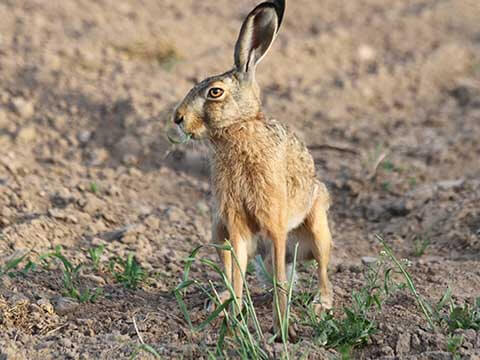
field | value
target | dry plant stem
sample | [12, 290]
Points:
[373, 172]
[55, 330]
[136, 330]
[342, 149]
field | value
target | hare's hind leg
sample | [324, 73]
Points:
[319, 240]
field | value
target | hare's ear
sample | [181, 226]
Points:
[257, 34]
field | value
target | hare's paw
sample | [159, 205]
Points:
[322, 303]
[292, 335]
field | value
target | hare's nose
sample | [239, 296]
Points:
[178, 119]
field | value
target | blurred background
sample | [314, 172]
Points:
[386, 93]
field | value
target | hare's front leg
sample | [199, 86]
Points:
[240, 236]
[219, 237]
[279, 241]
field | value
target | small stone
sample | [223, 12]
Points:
[6, 281]
[23, 107]
[84, 136]
[470, 335]
[45, 305]
[130, 160]
[144, 210]
[152, 222]
[450, 184]
[369, 260]
[129, 239]
[63, 305]
[97, 156]
[7, 212]
[415, 342]
[110, 217]
[399, 208]
[134, 172]
[72, 219]
[92, 204]
[387, 351]
[403, 344]
[175, 214]
[96, 279]
[113, 190]
[96, 241]
[366, 53]
[422, 194]
[61, 198]
[97, 227]
[18, 299]
[355, 269]
[57, 214]
[26, 134]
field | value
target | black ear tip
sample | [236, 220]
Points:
[277, 5]
[280, 9]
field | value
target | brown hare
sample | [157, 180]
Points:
[263, 178]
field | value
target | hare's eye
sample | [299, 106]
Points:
[215, 93]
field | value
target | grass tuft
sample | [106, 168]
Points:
[240, 334]
[458, 316]
[420, 245]
[11, 265]
[95, 254]
[454, 343]
[358, 322]
[131, 273]
[71, 279]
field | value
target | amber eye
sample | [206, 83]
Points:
[215, 93]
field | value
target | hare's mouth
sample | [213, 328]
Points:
[180, 136]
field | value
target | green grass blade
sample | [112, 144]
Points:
[221, 337]
[213, 315]
[409, 280]
[150, 349]
[189, 261]
[183, 308]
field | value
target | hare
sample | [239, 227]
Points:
[263, 177]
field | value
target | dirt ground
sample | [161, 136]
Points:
[86, 90]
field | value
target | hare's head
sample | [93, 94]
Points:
[233, 97]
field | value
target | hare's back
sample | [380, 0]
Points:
[300, 164]
[301, 182]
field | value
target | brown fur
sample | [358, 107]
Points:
[263, 177]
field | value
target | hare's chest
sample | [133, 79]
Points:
[240, 182]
